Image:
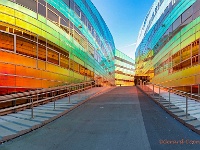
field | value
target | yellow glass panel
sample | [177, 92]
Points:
[7, 10]
[7, 18]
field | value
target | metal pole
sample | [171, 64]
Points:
[85, 87]
[159, 93]
[79, 89]
[169, 99]
[186, 106]
[32, 108]
[153, 90]
[69, 94]
[54, 101]
[198, 91]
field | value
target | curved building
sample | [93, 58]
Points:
[46, 43]
[168, 44]
[124, 69]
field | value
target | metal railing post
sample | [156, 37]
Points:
[198, 91]
[144, 83]
[54, 103]
[69, 93]
[79, 90]
[159, 93]
[186, 106]
[32, 116]
[153, 90]
[169, 98]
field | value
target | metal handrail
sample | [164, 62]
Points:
[170, 89]
[47, 95]
[175, 91]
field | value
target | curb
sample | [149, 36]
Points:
[181, 119]
[7, 138]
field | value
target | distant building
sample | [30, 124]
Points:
[46, 43]
[168, 44]
[124, 69]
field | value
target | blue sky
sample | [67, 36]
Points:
[124, 19]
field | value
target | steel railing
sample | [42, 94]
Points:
[169, 90]
[32, 98]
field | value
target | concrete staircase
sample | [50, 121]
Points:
[16, 124]
[176, 106]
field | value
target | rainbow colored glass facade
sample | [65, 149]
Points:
[46, 43]
[168, 44]
[124, 69]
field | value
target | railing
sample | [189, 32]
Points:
[32, 98]
[170, 90]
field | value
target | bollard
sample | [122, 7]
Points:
[186, 106]
[169, 99]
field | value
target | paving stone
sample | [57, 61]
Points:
[12, 126]
[19, 121]
[189, 118]
[195, 123]
[6, 132]
[176, 110]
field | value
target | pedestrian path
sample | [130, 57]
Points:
[16, 124]
[176, 106]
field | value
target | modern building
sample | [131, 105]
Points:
[46, 43]
[168, 44]
[124, 69]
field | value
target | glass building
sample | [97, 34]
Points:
[124, 69]
[168, 44]
[46, 43]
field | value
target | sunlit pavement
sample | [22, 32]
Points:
[121, 119]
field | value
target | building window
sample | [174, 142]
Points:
[41, 9]
[77, 10]
[26, 47]
[41, 52]
[64, 61]
[31, 4]
[177, 23]
[71, 4]
[52, 16]
[187, 14]
[52, 56]
[7, 41]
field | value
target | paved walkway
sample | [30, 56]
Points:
[121, 119]
[15, 124]
[177, 106]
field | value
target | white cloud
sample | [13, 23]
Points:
[128, 45]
